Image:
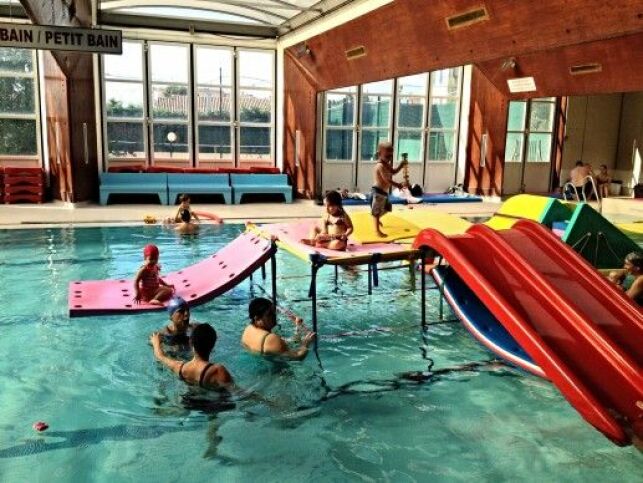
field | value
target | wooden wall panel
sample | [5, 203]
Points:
[57, 124]
[69, 94]
[411, 36]
[300, 114]
[488, 114]
[621, 71]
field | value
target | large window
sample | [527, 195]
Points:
[19, 106]
[170, 104]
[375, 117]
[125, 105]
[215, 106]
[530, 126]
[411, 116]
[443, 114]
[419, 112]
[255, 100]
[340, 124]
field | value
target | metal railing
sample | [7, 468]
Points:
[572, 189]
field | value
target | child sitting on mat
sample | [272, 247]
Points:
[148, 285]
[335, 228]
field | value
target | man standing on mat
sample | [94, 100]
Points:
[383, 180]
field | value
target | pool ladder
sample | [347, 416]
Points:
[570, 188]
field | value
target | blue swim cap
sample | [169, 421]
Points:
[176, 303]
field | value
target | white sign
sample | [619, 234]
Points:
[49, 37]
[522, 84]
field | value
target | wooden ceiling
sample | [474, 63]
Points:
[411, 36]
[620, 60]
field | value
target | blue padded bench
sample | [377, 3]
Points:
[199, 184]
[263, 184]
[133, 183]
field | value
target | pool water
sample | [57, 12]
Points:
[348, 415]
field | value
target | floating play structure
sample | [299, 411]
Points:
[525, 284]
[197, 283]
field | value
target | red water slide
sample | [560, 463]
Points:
[584, 333]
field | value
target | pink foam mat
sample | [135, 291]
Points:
[197, 283]
[292, 233]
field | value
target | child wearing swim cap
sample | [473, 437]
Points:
[179, 328]
[148, 285]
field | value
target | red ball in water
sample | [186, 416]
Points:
[40, 426]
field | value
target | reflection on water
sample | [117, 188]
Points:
[380, 400]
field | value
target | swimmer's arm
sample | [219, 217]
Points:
[617, 276]
[177, 217]
[275, 345]
[137, 281]
[194, 215]
[349, 226]
[636, 289]
[324, 225]
[159, 354]
[399, 167]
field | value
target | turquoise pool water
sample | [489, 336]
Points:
[115, 415]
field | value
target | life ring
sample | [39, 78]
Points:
[209, 216]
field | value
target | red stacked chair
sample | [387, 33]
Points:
[23, 184]
[1, 184]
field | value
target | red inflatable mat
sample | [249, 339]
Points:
[196, 284]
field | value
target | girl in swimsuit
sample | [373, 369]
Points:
[335, 228]
[199, 370]
[258, 337]
[148, 285]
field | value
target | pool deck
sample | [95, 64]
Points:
[58, 214]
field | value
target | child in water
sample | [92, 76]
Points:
[335, 228]
[184, 216]
[179, 328]
[148, 285]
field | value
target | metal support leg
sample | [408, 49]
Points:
[336, 278]
[263, 271]
[423, 281]
[313, 298]
[370, 279]
[441, 289]
[273, 274]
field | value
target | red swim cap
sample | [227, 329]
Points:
[151, 251]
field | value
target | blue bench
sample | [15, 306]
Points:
[133, 183]
[199, 184]
[263, 184]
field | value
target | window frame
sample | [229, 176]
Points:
[233, 100]
[170, 121]
[423, 128]
[192, 122]
[361, 128]
[144, 120]
[34, 75]
[238, 124]
[456, 128]
[526, 132]
[352, 91]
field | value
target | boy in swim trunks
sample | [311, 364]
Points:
[336, 225]
[382, 182]
[148, 285]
